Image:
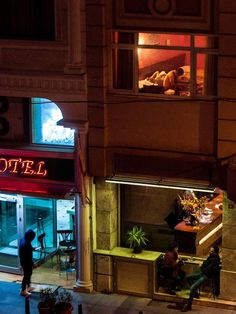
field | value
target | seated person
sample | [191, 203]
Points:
[170, 79]
[157, 77]
[171, 268]
[210, 269]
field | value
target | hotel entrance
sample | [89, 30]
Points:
[9, 231]
[19, 213]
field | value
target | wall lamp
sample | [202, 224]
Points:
[162, 183]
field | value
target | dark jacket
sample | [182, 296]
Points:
[26, 249]
[211, 266]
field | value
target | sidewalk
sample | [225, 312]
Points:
[96, 303]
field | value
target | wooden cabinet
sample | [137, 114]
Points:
[133, 276]
[121, 271]
[103, 273]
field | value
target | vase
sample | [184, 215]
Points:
[191, 220]
[137, 249]
[62, 308]
[44, 309]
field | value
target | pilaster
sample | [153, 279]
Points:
[228, 272]
[106, 216]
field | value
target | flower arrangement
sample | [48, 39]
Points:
[58, 302]
[192, 204]
[63, 302]
[192, 207]
[47, 300]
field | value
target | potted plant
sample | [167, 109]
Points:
[63, 303]
[136, 239]
[47, 301]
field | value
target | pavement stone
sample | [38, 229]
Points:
[96, 303]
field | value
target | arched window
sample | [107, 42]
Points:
[45, 115]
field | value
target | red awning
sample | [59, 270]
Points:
[37, 188]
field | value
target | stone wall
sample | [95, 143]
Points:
[228, 272]
[227, 137]
[106, 215]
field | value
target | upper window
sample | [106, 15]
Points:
[168, 64]
[45, 115]
[27, 19]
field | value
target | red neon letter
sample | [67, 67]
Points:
[13, 164]
[5, 164]
[28, 167]
[39, 169]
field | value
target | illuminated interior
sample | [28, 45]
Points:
[158, 68]
[45, 115]
[170, 64]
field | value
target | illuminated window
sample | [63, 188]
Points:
[45, 115]
[167, 64]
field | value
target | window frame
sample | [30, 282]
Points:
[194, 51]
[48, 145]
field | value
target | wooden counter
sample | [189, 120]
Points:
[192, 239]
[121, 271]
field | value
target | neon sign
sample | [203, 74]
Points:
[26, 167]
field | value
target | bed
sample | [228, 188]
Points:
[153, 81]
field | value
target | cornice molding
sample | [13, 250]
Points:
[43, 84]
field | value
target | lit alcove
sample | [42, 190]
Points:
[45, 115]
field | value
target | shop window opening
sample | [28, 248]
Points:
[45, 115]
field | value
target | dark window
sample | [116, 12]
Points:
[27, 19]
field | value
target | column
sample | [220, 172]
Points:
[83, 258]
[82, 212]
[74, 65]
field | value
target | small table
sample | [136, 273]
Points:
[67, 259]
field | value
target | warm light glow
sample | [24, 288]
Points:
[23, 166]
[159, 185]
[211, 233]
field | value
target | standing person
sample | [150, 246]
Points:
[171, 268]
[210, 269]
[26, 261]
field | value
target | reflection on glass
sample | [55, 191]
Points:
[164, 39]
[122, 69]
[40, 218]
[200, 77]
[8, 234]
[205, 66]
[123, 38]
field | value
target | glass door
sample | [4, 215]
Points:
[19, 213]
[9, 232]
[40, 216]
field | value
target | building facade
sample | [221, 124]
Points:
[138, 132]
[108, 65]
